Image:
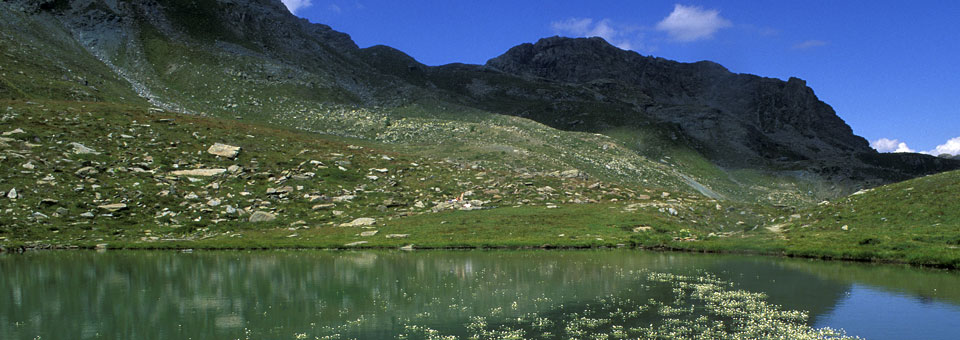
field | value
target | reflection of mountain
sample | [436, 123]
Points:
[785, 286]
[275, 294]
[926, 284]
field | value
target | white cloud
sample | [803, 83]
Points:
[952, 147]
[890, 145]
[334, 8]
[809, 44]
[586, 27]
[295, 5]
[690, 23]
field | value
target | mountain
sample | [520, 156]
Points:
[547, 106]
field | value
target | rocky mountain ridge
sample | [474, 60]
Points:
[253, 59]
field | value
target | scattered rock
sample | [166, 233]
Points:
[344, 198]
[845, 227]
[28, 166]
[353, 244]
[262, 216]
[369, 233]
[224, 150]
[398, 235]
[323, 206]
[408, 247]
[14, 131]
[101, 246]
[360, 222]
[81, 149]
[12, 194]
[641, 228]
[213, 202]
[279, 191]
[113, 207]
[199, 172]
[570, 173]
[665, 195]
[87, 215]
[234, 169]
[86, 171]
[643, 197]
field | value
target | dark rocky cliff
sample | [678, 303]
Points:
[767, 117]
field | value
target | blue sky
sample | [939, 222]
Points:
[889, 68]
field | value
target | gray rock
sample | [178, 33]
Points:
[12, 194]
[81, 149]
[262, 216]
[199, 172]
[224, 150]
[344, 198]
[360, 222]
[353, 244]
[570, 173]
[14, 132]
[398, 235]
[230, 210]
[408, 247]
[113, 207]
[369, 233]
[86, 171]
[87, 215]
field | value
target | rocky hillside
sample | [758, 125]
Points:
[691, 127]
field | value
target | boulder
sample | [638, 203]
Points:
[113, 207]
[12, 194]
[199, 172]
[262, 216]
[369, 233]
[360, 222]
[224, 150]
[570, 173]
[81, 149]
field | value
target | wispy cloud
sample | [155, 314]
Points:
[809, 44]
[691, 23]
[296, 5]
[335, 9]
[621, 36]
[890, 145]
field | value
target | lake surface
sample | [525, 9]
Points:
[589, 294]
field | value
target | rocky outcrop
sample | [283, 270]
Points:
[738, 118]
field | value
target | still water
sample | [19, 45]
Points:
[595, 294]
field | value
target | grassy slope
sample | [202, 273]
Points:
[505, 161]
[139, 149]
[916, 221]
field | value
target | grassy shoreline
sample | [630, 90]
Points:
[316, 187]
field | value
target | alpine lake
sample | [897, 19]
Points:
[476, 294]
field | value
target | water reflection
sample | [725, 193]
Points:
[280, 294]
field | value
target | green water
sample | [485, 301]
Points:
[453, 294]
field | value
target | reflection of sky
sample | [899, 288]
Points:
[874, 314]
